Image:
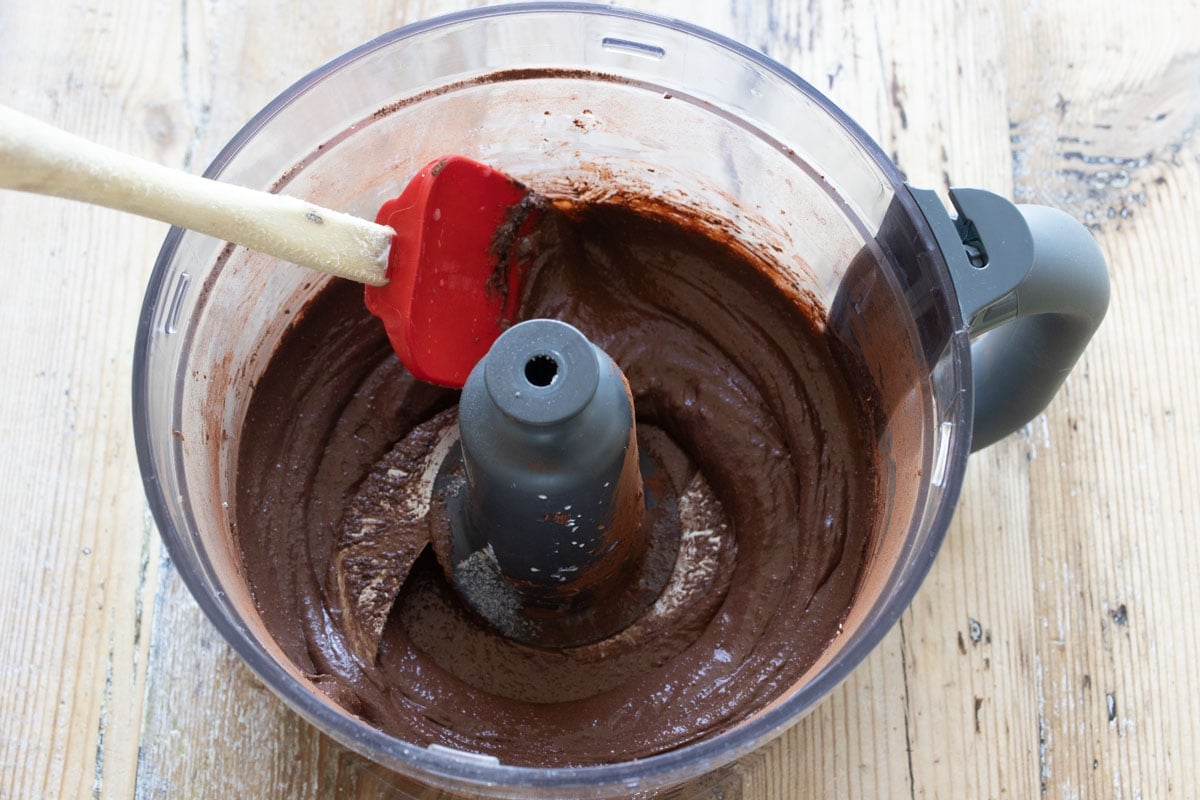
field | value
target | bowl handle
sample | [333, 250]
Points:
[1032, 286]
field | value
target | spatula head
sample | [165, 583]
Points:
[454, 278]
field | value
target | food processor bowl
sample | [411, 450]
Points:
[587, 102]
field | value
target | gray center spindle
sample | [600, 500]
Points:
[552, 509]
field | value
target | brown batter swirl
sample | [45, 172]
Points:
[730, 368]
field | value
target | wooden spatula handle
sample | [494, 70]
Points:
[36, 157]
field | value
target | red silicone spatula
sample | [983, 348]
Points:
[454, 282]
[437, 271]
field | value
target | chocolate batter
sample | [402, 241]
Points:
[774, 473]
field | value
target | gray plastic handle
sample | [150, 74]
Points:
[1032, 286]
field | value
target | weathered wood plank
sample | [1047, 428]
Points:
[1108, 129]
[76, 557]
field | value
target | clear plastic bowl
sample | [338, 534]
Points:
[574, 100]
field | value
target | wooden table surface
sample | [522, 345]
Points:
[1053, 650]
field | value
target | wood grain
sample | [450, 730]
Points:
[1052, 651]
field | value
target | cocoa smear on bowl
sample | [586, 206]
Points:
[736, 371]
